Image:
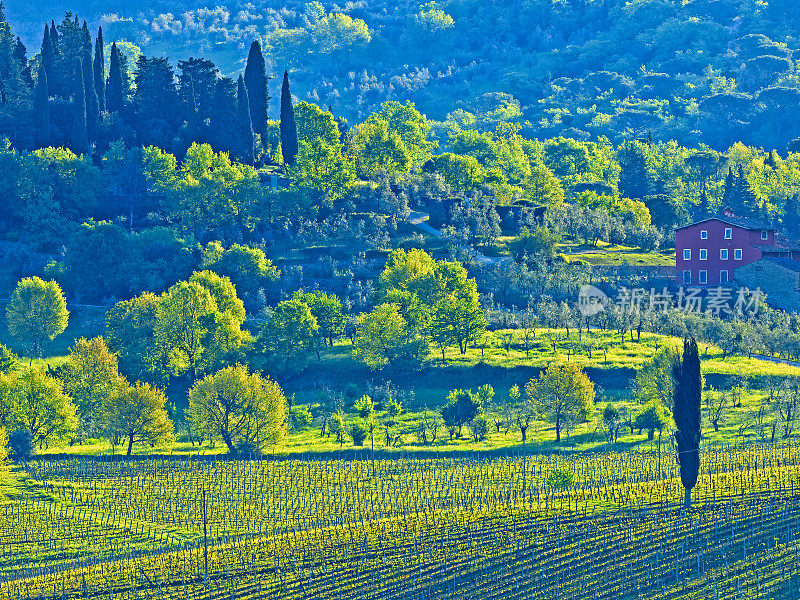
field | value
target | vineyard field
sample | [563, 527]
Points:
[605, 525]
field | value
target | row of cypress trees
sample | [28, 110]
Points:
[75, 104]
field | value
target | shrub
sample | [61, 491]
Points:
[20, 444]
[560, 479]
[301, 418]
[479, 427]
[358, 432]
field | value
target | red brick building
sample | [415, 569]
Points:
[708, 251]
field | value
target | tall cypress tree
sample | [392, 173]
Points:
[687, 393]
[256, 81]
[92, 105]
[243, 122]
[791, 217]
[79, 136]
[41, 109]
[48, 51]
[117, 88]
[288, 125]
[99, 71]
[21, 56]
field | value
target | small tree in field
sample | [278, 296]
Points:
[135, 413]
[237, 406]
[461, 408]
[563, 394]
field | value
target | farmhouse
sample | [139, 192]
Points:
[709, 251]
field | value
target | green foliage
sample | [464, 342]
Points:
[36, 313]
[462, 407]
[135, 414]
[33, 400]
[234, 405]
[562, 394]
[358, 432]
[91, 375]
[364, 406]
[248, 268]
[654, 417]
[290, 333]
[7, 359]
[20, 445]
[560, 479]
[376, 149]
[479, 426]
[384, 339]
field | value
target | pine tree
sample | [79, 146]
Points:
[244, 124]
[117, 88]
[687, 393]
[41, 109]
[100, 71]
[256, 80]
[288, 125]
[79, 136]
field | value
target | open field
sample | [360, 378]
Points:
[475, 525]
[614, 255]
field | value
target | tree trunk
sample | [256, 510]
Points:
[687, 498]
[558, 432]
[130, 444]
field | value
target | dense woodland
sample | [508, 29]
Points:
[702, 71]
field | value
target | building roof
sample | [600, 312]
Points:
[786, 263]
[735, 221]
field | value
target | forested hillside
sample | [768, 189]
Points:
[711, 71]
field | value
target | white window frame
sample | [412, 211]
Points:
[764, 235]
[703, 254]
[687, 254]
[728, 233]
[702, 276]
[737, 254]
[726, 276]
[723, 254]
[703, 234]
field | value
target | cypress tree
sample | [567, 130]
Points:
[115, 92]
[21, 56]
[728, 192]
[80, 135]
[703, 209]
[791, 217]
[288, 125]
[100, 71]
[686, 412]
[92, 105]
[48, 51]
[243, 122]
[256, 81]
[41, 109]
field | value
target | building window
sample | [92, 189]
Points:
[737, 254]
[687, 277]
[687, 254]
[703, 254]
[703, 277]
[728, 233]
[764, 235]
[723, 277]
[703, 234]
[723, 254]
